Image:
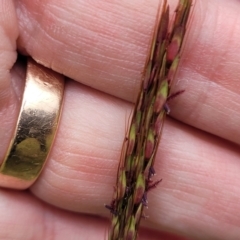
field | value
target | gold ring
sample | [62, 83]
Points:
[36, 127]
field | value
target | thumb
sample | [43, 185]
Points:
[9, 100]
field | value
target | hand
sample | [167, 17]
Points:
[102, 45]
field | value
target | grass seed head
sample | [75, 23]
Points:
[136, 169]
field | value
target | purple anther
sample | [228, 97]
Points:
[166, 108]
[152, 172]
[144, 199]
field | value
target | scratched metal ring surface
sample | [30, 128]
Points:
[36, 127]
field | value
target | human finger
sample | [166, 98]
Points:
[199, 171]
[108, 51]
[25, 217]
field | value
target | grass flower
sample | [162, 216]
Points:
[136, 170]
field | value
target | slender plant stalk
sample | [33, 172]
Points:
[135, 171]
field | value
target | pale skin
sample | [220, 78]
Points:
[101, 46]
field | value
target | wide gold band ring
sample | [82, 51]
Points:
[36, 127]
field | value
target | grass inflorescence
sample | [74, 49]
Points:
[135, 172]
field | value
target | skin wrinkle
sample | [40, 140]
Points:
[79, 169]
[118, 68]
[111, 12]
[136, 51]
[63, 223]
[110, 74]
[111, 31]
[182, 216]
[76, 155]
[90, 32]
[206, 106]
[26, 25]
[80, 194]
[59, 187]
[83, 167]
[190, 200]
[6, 14]
[215, 44]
